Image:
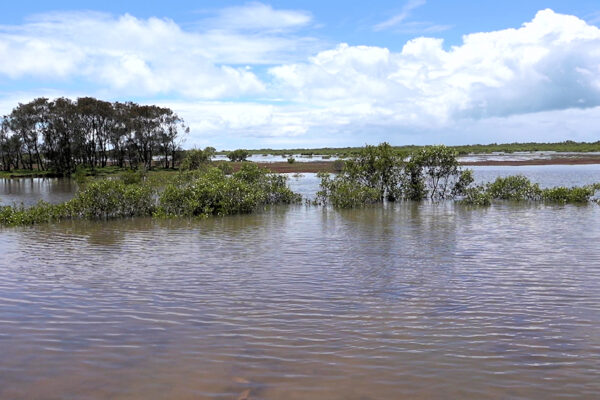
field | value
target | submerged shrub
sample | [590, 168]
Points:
[476, 196]
[519, 188]
[569, 195]
[344, 193]
[214, 193]
[112, 198]
[433, 172]
[516, 187]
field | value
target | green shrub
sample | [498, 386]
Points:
[112, 198]
[131, 177]
[291, 160]
[343, 193]
[213, 193]
[516, 187]
[238, 155]
[196, 159]
[569, 195]
[476, 196]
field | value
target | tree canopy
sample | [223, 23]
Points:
[62, 134]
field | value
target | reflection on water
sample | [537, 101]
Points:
[405, 301]
[29, 191]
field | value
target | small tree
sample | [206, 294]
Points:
[238, 155]
[196, 158]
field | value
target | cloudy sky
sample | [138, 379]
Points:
[287, 74]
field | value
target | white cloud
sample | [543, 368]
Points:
[552, 62]
[137, 57]
[399, 18]
[258, 16]
[538, 82]
[400, 23]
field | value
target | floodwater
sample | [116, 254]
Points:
[398, 302]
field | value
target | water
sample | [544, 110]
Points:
[28, 191]
[403, 301]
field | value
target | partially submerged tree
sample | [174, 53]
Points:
[238, 155]
[379, 173]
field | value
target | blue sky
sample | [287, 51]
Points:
[320, 73]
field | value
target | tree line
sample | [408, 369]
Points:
[62, 134]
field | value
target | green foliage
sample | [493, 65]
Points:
[109, 198]
[291, 160]
[225, 167]
[476, 196]
[100, 199]
[569, 195]
[238, 155]
[341, 192]
[196, 159]
[191, 193]
[80, 175]
[375, 167]
[130, 177]
[214, 193]
[516, 187]
[519, 188]
[432, 172]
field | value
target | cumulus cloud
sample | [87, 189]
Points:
[540, 80]
[552, 62]
[143, 57]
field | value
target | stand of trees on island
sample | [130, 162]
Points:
[62, 134]
[203, 188]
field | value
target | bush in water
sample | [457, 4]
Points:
[194, 193]
[432, 172]
[213, 193]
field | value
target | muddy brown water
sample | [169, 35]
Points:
[405, 301]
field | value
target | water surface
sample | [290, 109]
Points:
[404, 301]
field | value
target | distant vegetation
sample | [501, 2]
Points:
[567, 146]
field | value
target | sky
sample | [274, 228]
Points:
[289, 74]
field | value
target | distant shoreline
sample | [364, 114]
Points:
[328, 166]
[283, 167]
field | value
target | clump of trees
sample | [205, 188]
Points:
[381, 173]
[238, 155]
[62, 134]
[198, 193]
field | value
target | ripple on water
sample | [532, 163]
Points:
[414, 301]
